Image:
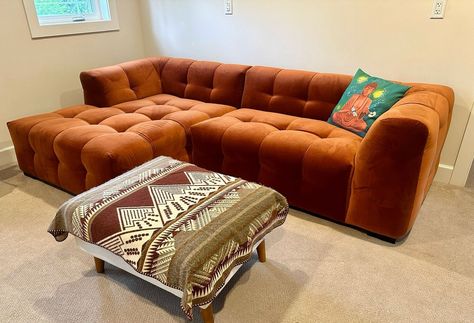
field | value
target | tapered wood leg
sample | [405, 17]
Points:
[262, 255]
[99, 265]
[207, 314]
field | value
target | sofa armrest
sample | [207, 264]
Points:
[392, 170]
[110, 85]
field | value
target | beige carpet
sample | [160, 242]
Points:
[316, 271]
[470, 178]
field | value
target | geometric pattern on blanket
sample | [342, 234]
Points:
[168, 201]
[182, 225]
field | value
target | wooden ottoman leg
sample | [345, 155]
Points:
[207, 314]
[99, 265]
[262, 256]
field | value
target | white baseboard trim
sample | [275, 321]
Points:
[465, 155]
[444, 173]
[7, 157]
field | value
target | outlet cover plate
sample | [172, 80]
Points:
[228, 7]
[439, 7]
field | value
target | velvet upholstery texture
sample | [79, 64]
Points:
[185, 78]
[299, 93]
[77, 148]
[309, 161]
[263, 124]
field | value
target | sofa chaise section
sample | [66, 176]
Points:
[127, 120]
[80, 150]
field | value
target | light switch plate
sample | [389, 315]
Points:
[229, 7]
[439, 6]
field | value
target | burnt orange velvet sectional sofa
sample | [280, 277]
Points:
[262, 124]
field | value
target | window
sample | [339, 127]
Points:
[48, 18]
[51, 12]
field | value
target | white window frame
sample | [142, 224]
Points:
[70, 28]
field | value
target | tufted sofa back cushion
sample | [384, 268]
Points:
[204, 81]
[216, 83]
[299, 93]
[173, 74]
[115, 84]
[198, 80]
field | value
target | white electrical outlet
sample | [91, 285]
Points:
[229, 8]
[439, 7]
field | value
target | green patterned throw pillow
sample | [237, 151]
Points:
[364, 100]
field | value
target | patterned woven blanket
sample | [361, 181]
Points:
[173, 221]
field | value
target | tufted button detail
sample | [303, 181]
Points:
[122, 122]
[71, 112]
[109, 155]
[187, 118]
[19, 131]
[68, 147]
[241, 146]
[41, 138]
[156, 112]
[95, 116]
[166, 137]
[132, 106]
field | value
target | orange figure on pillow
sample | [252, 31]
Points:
[351, 115]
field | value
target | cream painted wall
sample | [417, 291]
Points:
[43, 74]
[394, 39]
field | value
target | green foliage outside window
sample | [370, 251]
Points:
[64, 7]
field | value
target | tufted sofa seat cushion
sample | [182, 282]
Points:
[309, 161]
[80, 147]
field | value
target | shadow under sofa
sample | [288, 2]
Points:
[263, 124]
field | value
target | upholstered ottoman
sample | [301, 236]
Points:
[181, 227]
